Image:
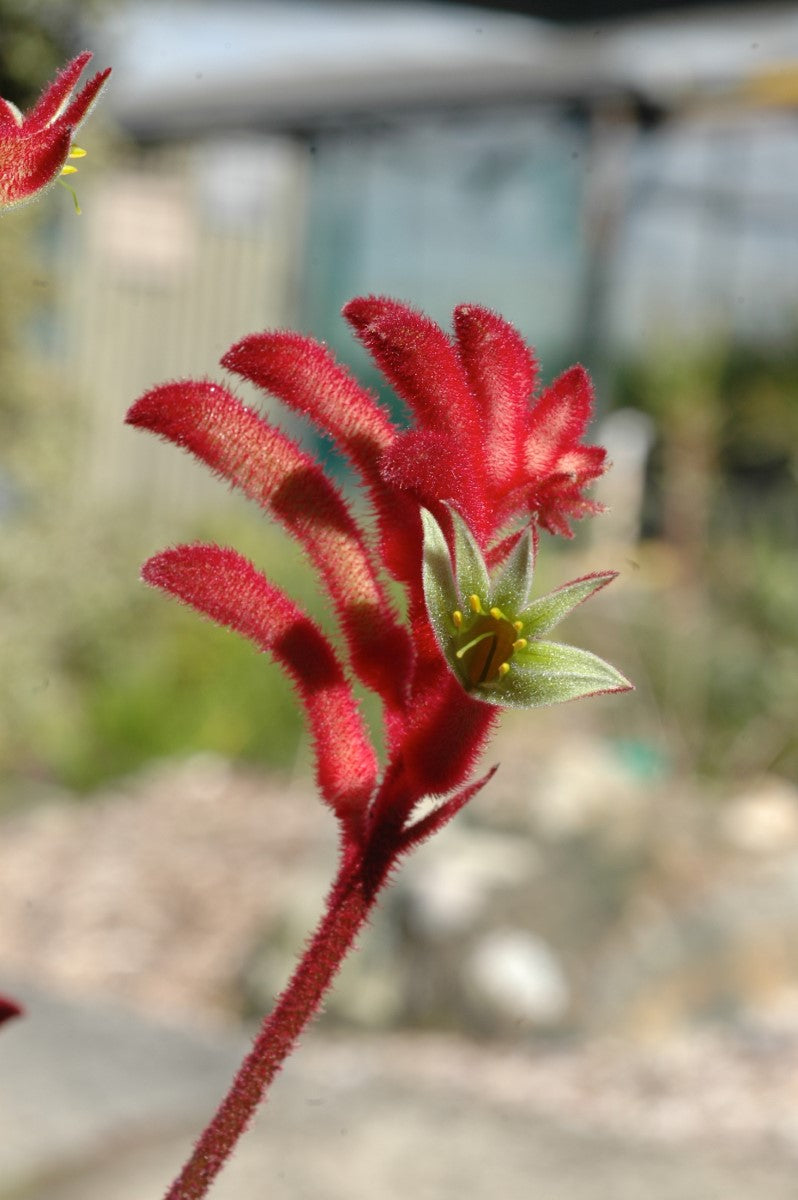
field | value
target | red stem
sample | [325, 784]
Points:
[351, 899]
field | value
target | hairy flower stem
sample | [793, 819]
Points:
[352, 897]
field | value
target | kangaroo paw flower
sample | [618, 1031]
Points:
[36, 147]
[489, 631]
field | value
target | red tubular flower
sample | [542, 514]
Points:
[458, 499]
[270, 468]
[224, 586]
[35, 147]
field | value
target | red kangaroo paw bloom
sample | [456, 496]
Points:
[35, 147]
[458, 498]
[226, 587]
[482, 442]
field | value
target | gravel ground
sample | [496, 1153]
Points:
[145, 897]
[102, 1106]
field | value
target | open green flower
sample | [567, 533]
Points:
[490, 631]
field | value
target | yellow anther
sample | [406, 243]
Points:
[518, 626]
[457, 618]
[475, 604]
[76, 152]
[497, 614]
[520, 644]
[68, 170]
[504, 668]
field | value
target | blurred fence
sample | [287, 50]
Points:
[177, 255]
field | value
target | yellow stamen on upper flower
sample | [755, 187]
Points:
[457, 618]
[484, 646]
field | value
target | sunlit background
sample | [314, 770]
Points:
[608, 940]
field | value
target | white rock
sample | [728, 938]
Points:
[449, 883]
[764, 821]
[516, 973]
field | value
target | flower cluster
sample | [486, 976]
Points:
[35, 147]
[457, 498]
[456, 503]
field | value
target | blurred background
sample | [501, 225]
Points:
[609, 936]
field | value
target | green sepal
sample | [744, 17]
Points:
[547, 611]
[550, 673]
[511, 587]
[440, 590]
[471, 572]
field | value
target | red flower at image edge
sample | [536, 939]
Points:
[35, 146]
[8, 1009]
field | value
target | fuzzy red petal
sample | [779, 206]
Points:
[306, 377]
[418, 360]
[558, 466]
[226, 587]
[238, 444]
[54, 97]
[558, 420]
[424, 828]
[421, 461]
[29, 163]
[81, 106]
[501, 371]
[449, 734]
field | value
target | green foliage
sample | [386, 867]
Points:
[37, 38]
[717, 639]
[101, 675]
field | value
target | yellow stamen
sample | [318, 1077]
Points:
[475, 604]
[520, 644]
[76, 152]
[504, 668]
[518, 626]
[498, 614]
[457, 618]
[68, 170]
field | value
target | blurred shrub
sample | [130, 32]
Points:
[718, 647]
[101, 675]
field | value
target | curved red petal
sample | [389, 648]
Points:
[30, 162]
[269, 467]
[54, 97]
[226, 587]
[83, 103]
[419, 361]
[305, 376]
[501, 371]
